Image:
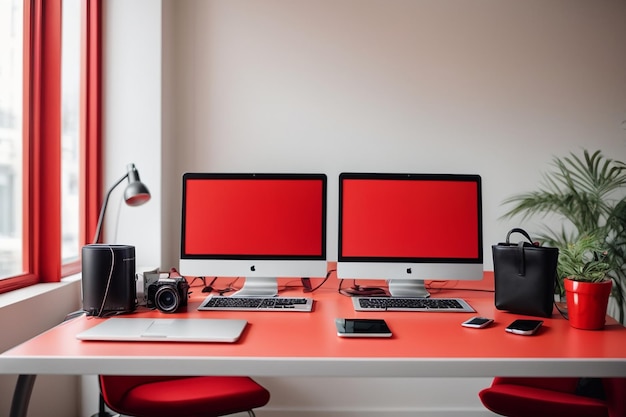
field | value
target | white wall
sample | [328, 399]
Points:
[490, 87]
[132, 122]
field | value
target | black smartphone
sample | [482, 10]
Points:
[477, 322]
[362, 328]
[524, 327]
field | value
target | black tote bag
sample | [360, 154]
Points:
[524, 276]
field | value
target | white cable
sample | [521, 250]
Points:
[106, 290]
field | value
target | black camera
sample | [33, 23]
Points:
[167, 294]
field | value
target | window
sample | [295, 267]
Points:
[11, 41]
[49, 136]
[70, 130]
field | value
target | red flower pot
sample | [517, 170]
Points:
[587, 303]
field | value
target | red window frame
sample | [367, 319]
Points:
[42, 138]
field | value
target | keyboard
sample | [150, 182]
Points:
[437, 305]
[234, 303]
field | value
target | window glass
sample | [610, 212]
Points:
[70, 113]
[11, 45]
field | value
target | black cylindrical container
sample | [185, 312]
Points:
[108, 279]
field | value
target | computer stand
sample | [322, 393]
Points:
[414, 288]
[258, 287]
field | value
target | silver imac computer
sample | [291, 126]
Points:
[407, 228]
[255, 226]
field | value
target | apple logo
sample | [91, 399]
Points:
[408, 271]
[252, 268]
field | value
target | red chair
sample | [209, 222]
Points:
[554, 397]
[167, 396]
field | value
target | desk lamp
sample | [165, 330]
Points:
[109, 270]
[135, 194]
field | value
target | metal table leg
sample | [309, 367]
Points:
[21, 395]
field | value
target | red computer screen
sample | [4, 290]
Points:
[410, 217]
[274, 216]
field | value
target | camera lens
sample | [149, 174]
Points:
[166, 299]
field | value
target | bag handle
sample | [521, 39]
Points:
[521, 261]
[521, 231]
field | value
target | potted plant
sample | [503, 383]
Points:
[587, 194]
[583, 266]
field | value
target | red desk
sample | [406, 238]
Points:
[305, 344]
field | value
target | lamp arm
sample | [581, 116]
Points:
[104, 207]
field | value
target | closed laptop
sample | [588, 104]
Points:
[165, 330]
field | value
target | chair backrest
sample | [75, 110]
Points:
[614, 389]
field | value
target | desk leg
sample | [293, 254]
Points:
[21, 395]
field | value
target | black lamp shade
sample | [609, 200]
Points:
[135, 194]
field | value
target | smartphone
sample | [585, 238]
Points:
[524, 327]
[477, 322]
[362, 328]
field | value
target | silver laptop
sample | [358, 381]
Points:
[165, 330]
